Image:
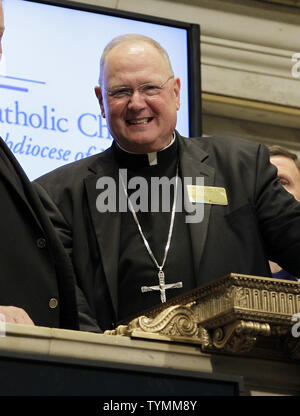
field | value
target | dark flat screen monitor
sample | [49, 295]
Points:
[49, 115]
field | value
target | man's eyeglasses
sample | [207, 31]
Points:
[146, 90]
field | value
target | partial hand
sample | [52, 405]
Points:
[15, 315]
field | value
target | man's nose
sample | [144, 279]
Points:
[137, 100]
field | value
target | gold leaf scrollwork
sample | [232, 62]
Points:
[174, 321]
[240, 336]
[231, 315]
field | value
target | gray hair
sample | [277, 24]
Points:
[132, 37]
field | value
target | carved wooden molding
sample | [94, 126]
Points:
[236, 314]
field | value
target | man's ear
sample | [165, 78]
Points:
[98, 93]
[177, 92]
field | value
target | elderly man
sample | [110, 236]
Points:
[36, 275]
[288, 171]
[128, 260]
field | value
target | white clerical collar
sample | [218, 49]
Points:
[152, 157]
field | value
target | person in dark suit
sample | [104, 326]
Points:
[36, 275]
[288, 172]
[128, 258]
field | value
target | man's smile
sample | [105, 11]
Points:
[144, 120]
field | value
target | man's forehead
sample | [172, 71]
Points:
[281, 159]
[138, 57]
[132, 49]
[138, 47]
[284, 162]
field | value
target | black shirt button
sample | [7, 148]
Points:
[41, 242]
[53, 303]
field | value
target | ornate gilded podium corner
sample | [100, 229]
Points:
[173, 323]
[240, 314]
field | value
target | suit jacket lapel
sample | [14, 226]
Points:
[192, 165]
[106, 224]
[14, 176]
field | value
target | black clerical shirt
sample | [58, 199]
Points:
[136, 268]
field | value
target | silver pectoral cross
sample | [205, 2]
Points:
[162, 286]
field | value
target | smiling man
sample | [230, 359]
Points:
[130, 259]
[36, 276]
[144, 123]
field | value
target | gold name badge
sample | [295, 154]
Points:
[207, 195]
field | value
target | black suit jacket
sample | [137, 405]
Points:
[34, 267]
[260, 222]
